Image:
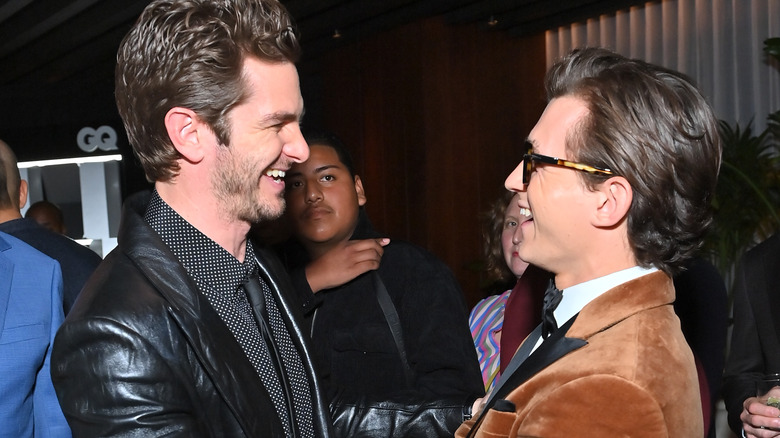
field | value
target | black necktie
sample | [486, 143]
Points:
[284, 356]
[552, 297]
[254, 294]
[256, 298]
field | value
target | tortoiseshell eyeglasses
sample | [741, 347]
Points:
[530, 159]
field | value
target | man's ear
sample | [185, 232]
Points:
[361, 194]
[614, 200]
[186, 132]
[22, 193]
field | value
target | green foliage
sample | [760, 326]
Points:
[747, 198]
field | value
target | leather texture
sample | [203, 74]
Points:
[142, 352]
[396, 418]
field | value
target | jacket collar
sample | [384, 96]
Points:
[651, 290]
[273, 272]
[518, 371]
[234, 376]
[648, 291]
[216, 348]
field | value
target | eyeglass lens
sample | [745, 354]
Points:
[528, 162]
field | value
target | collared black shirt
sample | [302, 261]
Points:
[219, 276]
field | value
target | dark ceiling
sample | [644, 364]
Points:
[57, 56]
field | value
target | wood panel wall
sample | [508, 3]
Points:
[435, 116]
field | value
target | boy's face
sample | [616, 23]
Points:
[323, 199]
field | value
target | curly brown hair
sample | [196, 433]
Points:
[190, 53]
[492, 227]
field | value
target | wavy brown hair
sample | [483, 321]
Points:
[651, 126]
[190, 53]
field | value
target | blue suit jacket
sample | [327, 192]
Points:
[30, 314]
[77, 262]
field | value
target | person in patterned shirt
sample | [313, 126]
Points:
[500, 322]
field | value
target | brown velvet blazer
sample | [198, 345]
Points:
[623, 369]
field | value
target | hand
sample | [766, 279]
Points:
[345, 262]
[760, 420]
[478, 405]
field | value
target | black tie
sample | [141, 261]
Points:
[284, 356]
[254, 294]
[552, 297]
[256, 298]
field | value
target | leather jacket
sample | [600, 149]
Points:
[400, 417]
[142, 353]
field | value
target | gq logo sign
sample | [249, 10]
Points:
[90, 139]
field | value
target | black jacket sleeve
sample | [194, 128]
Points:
[745, 362]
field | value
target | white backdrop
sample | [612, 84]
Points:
[719, 43]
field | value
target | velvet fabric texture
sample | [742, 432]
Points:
[635, 376]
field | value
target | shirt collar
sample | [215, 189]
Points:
[578, 296]
[204, 259]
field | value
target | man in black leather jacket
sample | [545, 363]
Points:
[184, 329]
[145, 354]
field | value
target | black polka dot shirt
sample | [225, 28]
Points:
[219, 276]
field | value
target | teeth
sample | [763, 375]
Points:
[525, 212]
[275, 173]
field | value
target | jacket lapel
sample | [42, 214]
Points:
[217, 350]
[520, 356]
[226, 363]
[269, 268]
[6, 274]
[648, 291]
[553, 348]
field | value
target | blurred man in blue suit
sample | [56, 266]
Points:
[76, 262]
[30, 313]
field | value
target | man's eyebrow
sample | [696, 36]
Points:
[281, 116]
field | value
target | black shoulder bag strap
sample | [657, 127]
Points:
[391, 316]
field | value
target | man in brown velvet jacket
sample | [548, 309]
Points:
[619, 172]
